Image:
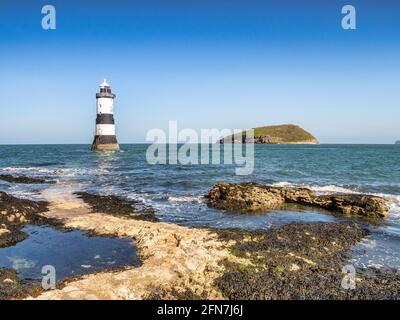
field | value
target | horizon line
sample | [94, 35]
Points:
[148, 143]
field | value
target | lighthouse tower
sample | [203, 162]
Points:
[105, 138]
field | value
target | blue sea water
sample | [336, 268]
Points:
[176, 191]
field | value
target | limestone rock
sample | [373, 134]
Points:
[253, 198]
[4, 231]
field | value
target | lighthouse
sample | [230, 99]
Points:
[105, 138]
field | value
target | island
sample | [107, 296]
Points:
[278, 134]
[397, 142]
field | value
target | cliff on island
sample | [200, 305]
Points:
[279, 134]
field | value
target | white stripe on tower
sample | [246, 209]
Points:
[105, 138]
[105, 130]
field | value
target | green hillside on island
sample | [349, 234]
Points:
[278, 134]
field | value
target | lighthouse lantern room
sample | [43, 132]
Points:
[105, 138]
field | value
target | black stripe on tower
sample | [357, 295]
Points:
[105, 140]
[105, 118]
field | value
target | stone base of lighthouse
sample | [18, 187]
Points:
[105, 143]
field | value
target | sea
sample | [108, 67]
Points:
[176, 191]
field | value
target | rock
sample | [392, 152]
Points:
[23, 220]
[244, 198]
[10, 205]
[15, 213]
[300, 261]
[4, 231]
[23, 179]
[7, 280]
[178, 262]
[11, 287]
[117, 206]
[12, 237]
[354, 204]
[255, 198]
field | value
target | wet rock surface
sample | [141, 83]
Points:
[171, 293]
[296, 261]
[23, 179]
[11, 287]
[117, 206]
[300, 261]
[177, 262]
[256, 198]
[16, 213]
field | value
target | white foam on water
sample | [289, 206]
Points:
[316, 189]
[25, 194]
[195, 199]
[27, 169]
[54, 172]
[377, 251]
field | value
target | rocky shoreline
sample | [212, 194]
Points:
[11, 286]
[256, 198]
[175, 259]
[295, 261]
[117, 206]
[24, 179]
[301, 261]
[16, 213]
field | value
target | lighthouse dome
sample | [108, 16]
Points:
[105, 91]
[104, 84]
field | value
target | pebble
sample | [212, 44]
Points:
[7, 280]
[4, 231]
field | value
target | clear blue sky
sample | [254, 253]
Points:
[222, 64]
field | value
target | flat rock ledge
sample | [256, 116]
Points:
[177, 262]
[256, 198]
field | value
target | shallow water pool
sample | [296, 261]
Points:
[72, 253]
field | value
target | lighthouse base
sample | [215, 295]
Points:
[105, 147]
[105, 143]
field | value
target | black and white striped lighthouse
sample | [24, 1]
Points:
[105, 138]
